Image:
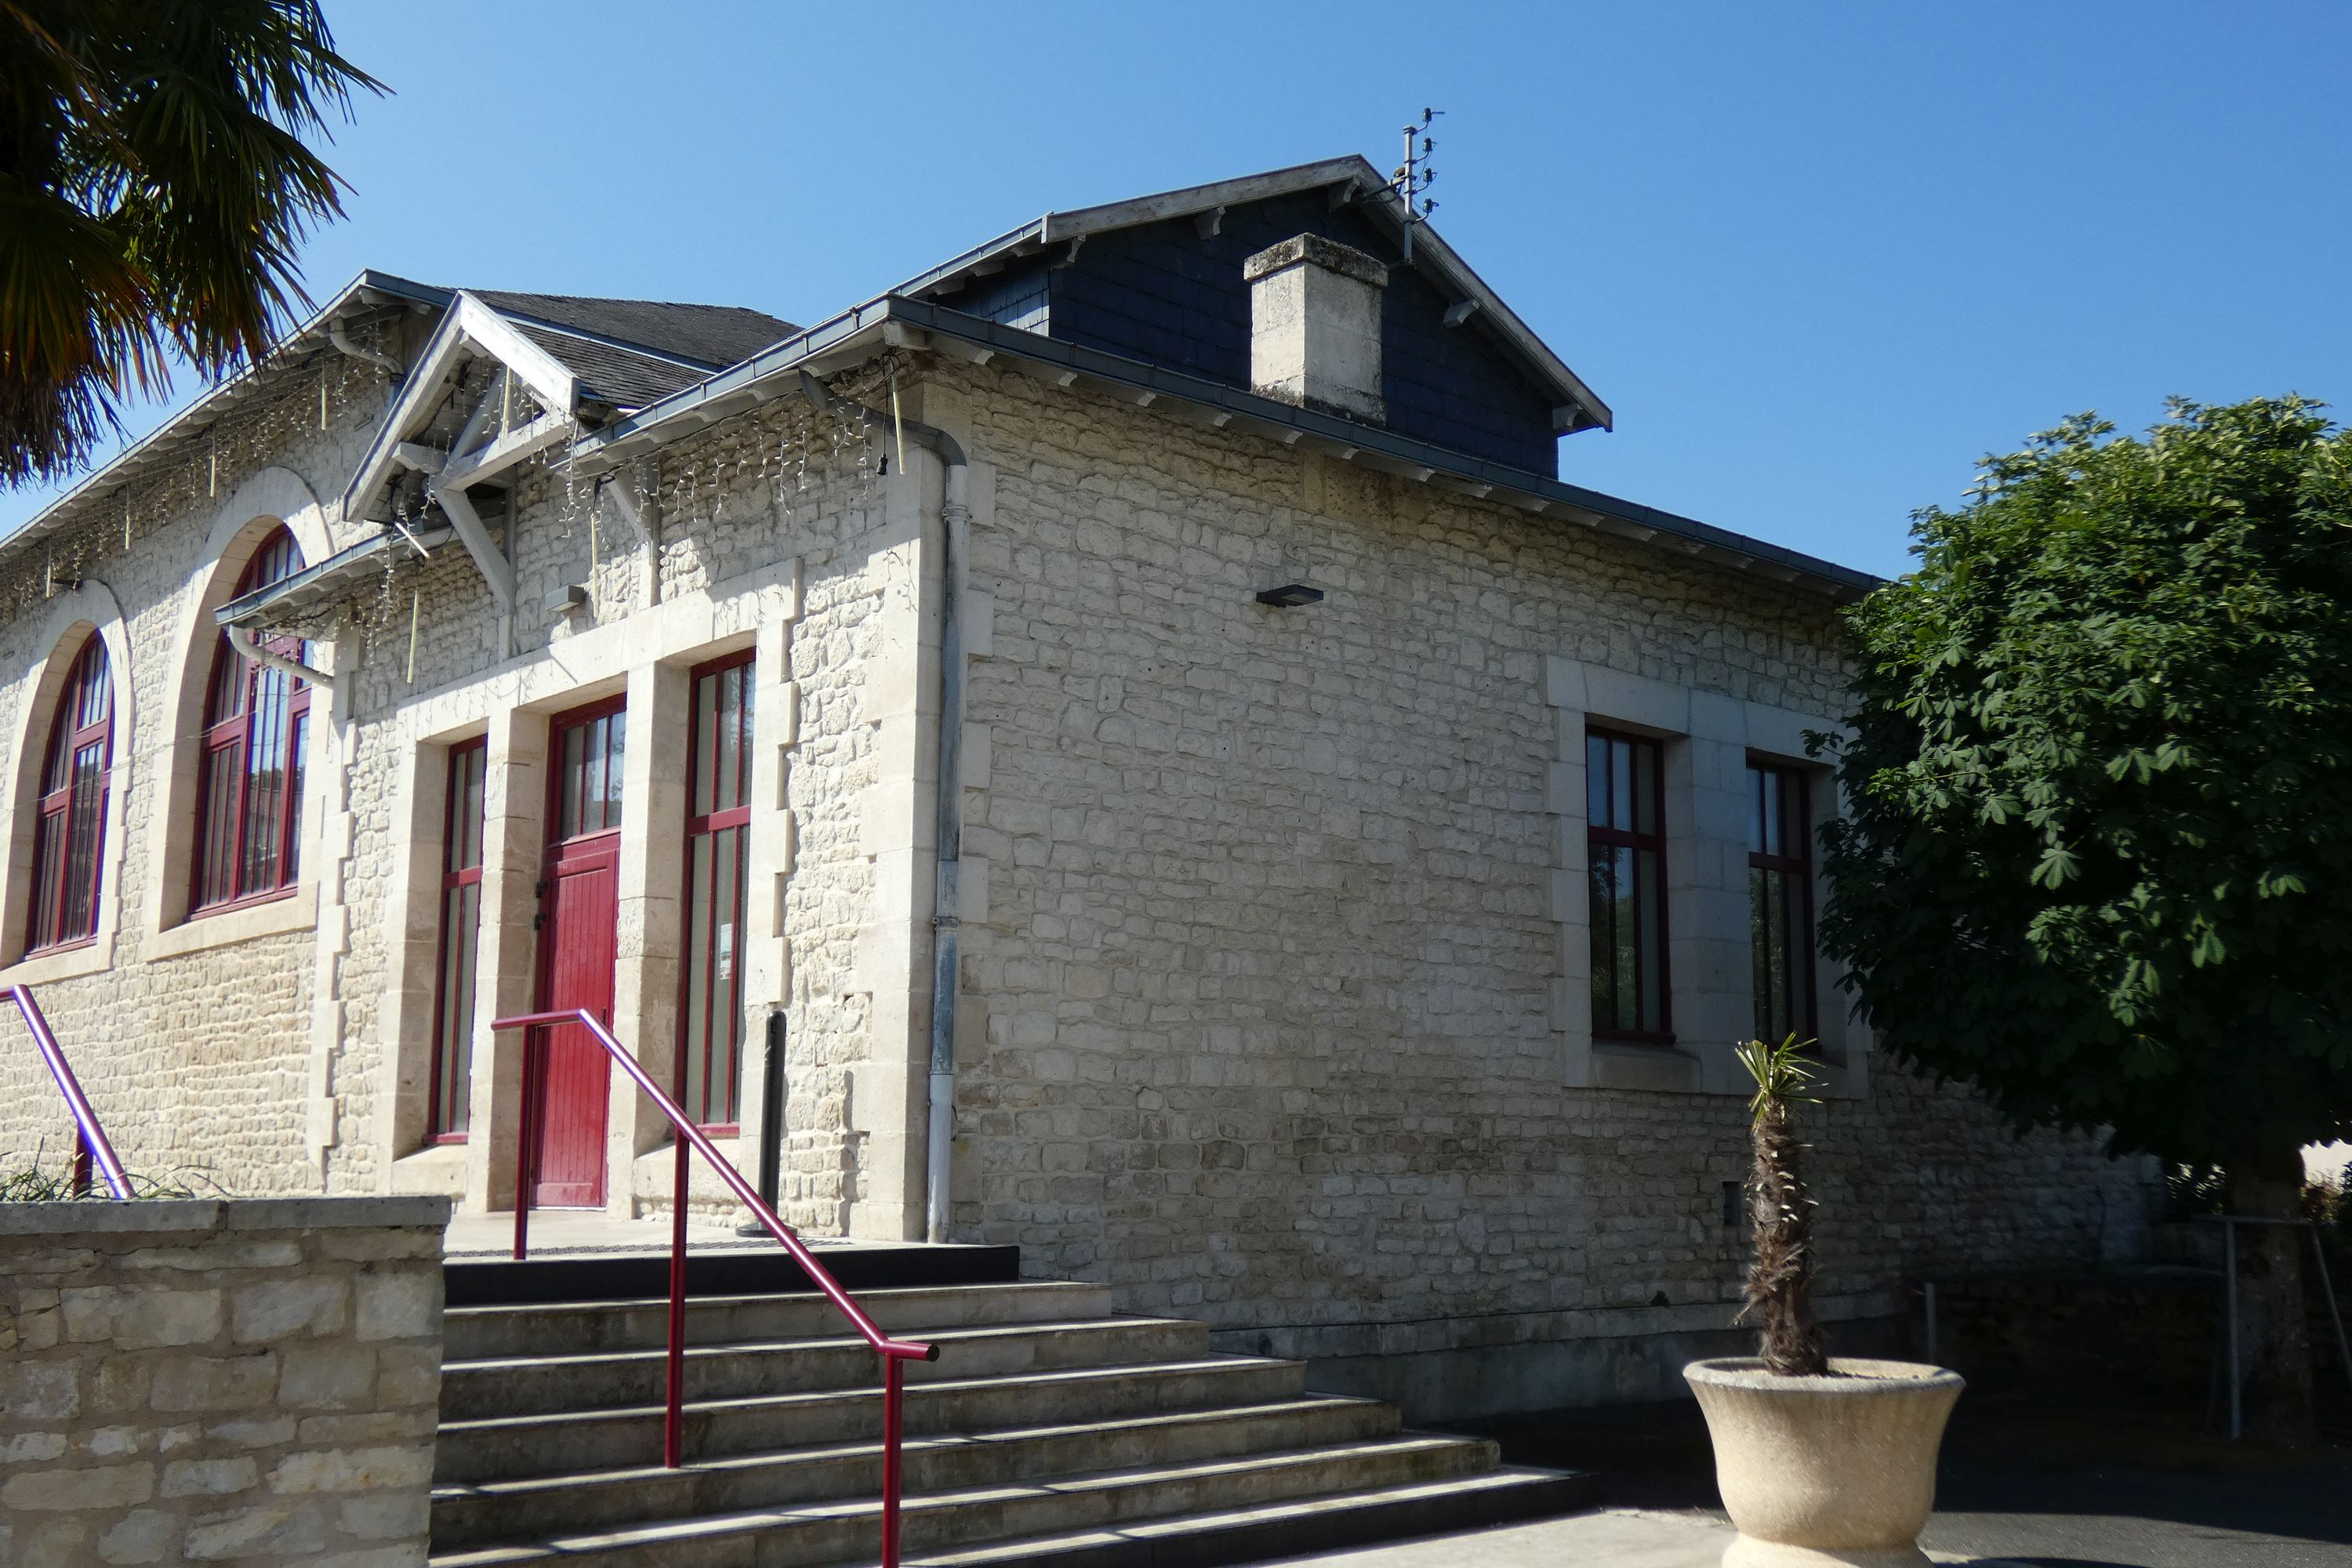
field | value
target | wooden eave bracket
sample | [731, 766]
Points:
[497, 572]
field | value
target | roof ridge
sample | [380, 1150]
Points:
[629, 345]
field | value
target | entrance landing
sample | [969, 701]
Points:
[568, 1232]
[585, 1254]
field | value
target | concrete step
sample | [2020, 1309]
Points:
[584, 1328]
[849, 1530]
[472, 1390]
[1296, 1526]
[508, 1447]
[526, 1510]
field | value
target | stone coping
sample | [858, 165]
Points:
[161, 1216]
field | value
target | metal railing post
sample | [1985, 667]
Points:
[2335, 1311]
[674, 1417]
[526, 1131]
[894, 1397]
[95, 1149]
[2229, 1305]
[771, 1110]
[894, 1352]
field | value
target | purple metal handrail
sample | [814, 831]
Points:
[895, 1353]
[94, 1146]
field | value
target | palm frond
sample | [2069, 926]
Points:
[155, 186]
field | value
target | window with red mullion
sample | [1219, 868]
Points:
[718, 814]
[70, 837]
[461, 924]
[250, 784]
[1780, 902]
[1625, 853]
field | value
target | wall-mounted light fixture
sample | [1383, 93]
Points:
[1290, 595]
[567, 600]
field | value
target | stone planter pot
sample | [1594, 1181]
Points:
[1818, 1471]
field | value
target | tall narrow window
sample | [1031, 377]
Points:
[1780, 901]
[461, 928]
[249, 789]
[1626, 846]
[718, 812]
[71, 832]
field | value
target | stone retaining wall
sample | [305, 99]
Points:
[190, 1381]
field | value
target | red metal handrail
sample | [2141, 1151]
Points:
[895, 1353]
[94, 1145]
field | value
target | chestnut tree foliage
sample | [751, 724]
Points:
[2098, 859]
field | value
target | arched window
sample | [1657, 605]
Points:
[249, 781]
[72, 826]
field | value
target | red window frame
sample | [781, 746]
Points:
[1618, 801]
[1781, 900]
[256, 726]
[460, 947]
[717, 804]
[586, 804]
[69, 835]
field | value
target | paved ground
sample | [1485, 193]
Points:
[2049, 1486]
[1613, 1538]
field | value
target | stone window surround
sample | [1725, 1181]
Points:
[1708, 738]
[265, 500]
[649, 655]
[74, 616]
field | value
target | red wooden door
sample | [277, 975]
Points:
[579, 905]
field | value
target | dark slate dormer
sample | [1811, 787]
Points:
[1169, 290]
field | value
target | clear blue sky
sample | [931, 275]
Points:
[1818, 257]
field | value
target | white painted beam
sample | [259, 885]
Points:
[507, 451]
[497, 572]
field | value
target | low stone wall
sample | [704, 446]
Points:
[249, 1380]
[2151, 1331]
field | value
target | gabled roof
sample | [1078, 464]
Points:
[856, 335]
[715, 335]
[569, 351]
[1352, 179]
[630, 352]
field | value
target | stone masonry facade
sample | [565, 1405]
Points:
[255, 1382]
[1266, 975]
[1271, 919]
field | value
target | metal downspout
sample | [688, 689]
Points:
[955, 520]
[342, 339]
[242, 639]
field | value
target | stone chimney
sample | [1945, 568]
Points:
[1315, 326]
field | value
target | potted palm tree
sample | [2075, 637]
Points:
[1821, 1459]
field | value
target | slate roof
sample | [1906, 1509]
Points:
[630, 352]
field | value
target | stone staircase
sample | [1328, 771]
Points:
[1049, 1430]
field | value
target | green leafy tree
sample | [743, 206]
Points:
[154, 184]
[2099, 855]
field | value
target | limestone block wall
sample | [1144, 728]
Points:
[202, 1043]
[195, 1382]
[1263, 1005]
[774, 531]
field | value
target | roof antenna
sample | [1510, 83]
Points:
[1413, 177]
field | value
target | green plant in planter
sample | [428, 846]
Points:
[1781, 1211]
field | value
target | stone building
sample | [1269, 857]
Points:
[1354, 851]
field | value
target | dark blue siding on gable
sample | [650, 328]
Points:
[1016, 296]
[1160, 292]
